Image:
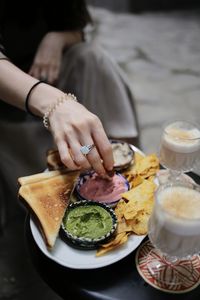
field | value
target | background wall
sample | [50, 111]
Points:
[114, 5]
[144, 5]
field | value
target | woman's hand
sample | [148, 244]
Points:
[73, 126]
[47, 61]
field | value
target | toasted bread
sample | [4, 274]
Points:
[40, 176]
[48, 199]
[53, 160]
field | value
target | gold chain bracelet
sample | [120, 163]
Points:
[53, 107]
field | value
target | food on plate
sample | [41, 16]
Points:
[120, 239]
[144, 167]
[122, 153]
[53, 160]
[91, 186]
[131, 192]
[88, 221]
[139, 198]
[135, 207]
[40, 176]
[48, 199]
[87, 224]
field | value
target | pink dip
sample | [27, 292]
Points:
[103, 190]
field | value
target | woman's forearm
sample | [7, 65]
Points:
[15, 85]
[71, 124]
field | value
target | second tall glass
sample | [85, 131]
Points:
[179, 147]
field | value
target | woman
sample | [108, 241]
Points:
[46, 41]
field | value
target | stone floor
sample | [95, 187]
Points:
[160, 53]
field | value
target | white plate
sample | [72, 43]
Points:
[84, 259]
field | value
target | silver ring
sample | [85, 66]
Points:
[86, 149]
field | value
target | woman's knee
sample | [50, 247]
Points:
[89, 52]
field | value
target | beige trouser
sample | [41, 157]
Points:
[98, 83]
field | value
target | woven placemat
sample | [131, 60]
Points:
[182, 283]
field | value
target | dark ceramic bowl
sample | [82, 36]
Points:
[86, 176]
[127, 154]
[85, 242]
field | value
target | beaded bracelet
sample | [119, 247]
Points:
[53, 107]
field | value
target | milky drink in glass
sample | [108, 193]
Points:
[180, 146]
[174, 226]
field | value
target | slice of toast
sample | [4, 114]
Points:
[40, 176]
[48, 200]
[53, 160]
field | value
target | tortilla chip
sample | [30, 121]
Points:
[145, 188]
[123, 239]
[148, 166]
[138, 157]
[140, 223]
[134, 209]
[119, 210]
[123, 227]
[132, 169]
[114, 241]
[139, 198]
[143, 168]
[137, 180]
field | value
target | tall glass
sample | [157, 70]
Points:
[179, 147]
[174, 231]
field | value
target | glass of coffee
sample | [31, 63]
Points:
[179, 147]
[174, 231]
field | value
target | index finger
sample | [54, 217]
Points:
[104, 146]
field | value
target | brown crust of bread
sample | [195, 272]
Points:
[53, 160]
[48, 199]
[40, 176]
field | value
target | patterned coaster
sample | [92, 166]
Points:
[184, 280]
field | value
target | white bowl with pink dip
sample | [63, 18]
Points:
[90, 186]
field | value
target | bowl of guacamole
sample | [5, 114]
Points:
[88, 224]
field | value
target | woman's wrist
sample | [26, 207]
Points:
[70, 38]
[42, 97]
[52, 108]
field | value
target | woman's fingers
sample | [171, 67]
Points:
[48, 73]
[73, 126]
[44, 74]
[103, 145]
[65, 156]
[35, 71]
[69, 149]
[100, 157]
[93, 156]
[78, 157]
[53, 72]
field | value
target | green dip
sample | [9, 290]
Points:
[88, 221]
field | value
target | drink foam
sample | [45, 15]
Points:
[182, 140]
[180, 210]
